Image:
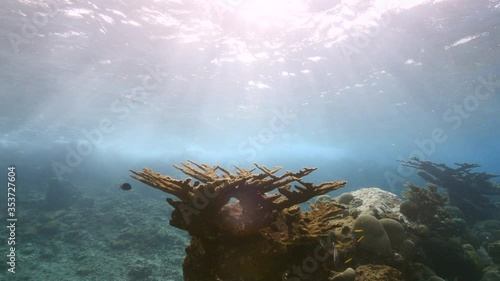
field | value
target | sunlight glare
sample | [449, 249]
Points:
[266, 13]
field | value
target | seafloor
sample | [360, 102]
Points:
[96, 233]
[75, 231]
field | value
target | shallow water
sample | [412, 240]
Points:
[91, 89]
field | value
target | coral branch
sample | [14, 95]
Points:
[259, 233]
[466, 189]
[215, 186]
[428, 201]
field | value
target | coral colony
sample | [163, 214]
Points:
[466, 190]
[256, 238]
[248, 226]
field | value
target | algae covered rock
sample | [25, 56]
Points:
[345, 198]
[449, 259]
[141, 270]
[373, 237]
[394, 230]
[435, 278]
[494, 251]
[491, 276]
[409, 209]
[474, 257]
[419, 272]
[348, 275]
[50, 228]
[407, 248]
[454, 212]
[372, 272]
[376, 202]
[422, 230]
[85, 270]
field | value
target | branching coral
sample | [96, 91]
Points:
[215, 191]
[243, 239]
[466, 189]
[428, 202]
[314, 223]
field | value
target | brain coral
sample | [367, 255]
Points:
[375, 238]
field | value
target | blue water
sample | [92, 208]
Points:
[348, 86]
[91, 89]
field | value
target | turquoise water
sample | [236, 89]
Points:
[91, 89]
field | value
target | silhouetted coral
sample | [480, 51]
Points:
[466, 189]
[259, 236]
[440, 238]
[428, 202]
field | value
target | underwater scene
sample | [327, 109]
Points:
[250, 140]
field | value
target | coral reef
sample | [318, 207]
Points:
[466, 189]
[494, 251]
[377, 273]
[249, 226]
[444, 241]
[259, 236]
[212, 192]
[395, 231]
[348, 275]
[424, 204]
[345, 198]
[409, 209]
[375, 202]
[432, 245]
[372, 236]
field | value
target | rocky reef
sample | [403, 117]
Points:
[248, 226]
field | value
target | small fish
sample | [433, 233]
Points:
[335, 254]
[361, 238]
[348, 260]
[358, 230]
[125, 186]
[331, 249]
